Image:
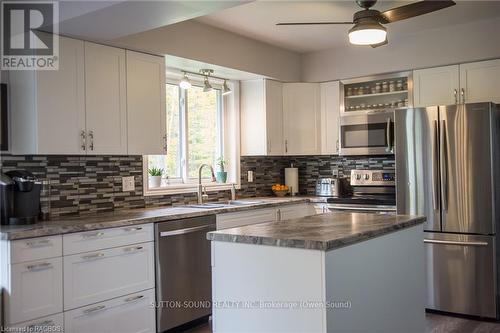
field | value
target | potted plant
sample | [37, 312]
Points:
[155, 176]
[221, 174]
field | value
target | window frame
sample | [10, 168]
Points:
[228, 145]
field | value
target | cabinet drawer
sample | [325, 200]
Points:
[96, 276]
[107, 238]
[232, 220]
[128, 314]
[35, 290]
[54, 323]
[35, 248]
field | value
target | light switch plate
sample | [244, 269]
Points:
[128, 184]
[250, 176]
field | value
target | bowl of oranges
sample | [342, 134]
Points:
[280, 190]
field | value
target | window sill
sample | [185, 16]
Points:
[187, 188]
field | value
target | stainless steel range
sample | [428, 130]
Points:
[370, 191]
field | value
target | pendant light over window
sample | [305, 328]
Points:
[206, 85]
[225, 88]
[184, 83]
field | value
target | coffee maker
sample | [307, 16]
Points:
[19, 197]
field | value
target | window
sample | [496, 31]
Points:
[195, 136]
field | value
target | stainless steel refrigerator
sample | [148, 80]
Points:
[447, 168]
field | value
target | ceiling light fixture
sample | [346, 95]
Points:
[206, 85]
[184, 83]
[225, 88]
[367, 32]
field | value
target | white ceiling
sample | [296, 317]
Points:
[104, 20]
[258, 20]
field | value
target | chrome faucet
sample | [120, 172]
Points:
[202, 194]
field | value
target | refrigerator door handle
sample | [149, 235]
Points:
[435, 171]
[443, 164]
[444, 242]
[388, 135]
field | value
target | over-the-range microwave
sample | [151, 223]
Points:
[371, 133]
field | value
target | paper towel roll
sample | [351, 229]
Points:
[292, 179]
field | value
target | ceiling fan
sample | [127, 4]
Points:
[368, 26]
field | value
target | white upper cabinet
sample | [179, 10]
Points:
[146, 115]
[330, 111]
[261, 117]
[105, 99]
[302, 118]
[48, 107]
[481, 81]
[436, 86]
[465, 83]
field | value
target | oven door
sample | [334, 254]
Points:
[367, 134]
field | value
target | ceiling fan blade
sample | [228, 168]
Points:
[385, 42]
[312, 23]
[414, 9]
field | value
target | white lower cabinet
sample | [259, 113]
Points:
[53, 323]
[35, 290]
[295, 211]
[133, 313]
[239, 219]
[96, 276]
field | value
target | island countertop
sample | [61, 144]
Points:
[318, 232]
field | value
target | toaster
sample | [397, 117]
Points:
[328, 187]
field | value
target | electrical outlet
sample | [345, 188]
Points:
[250, 176]
[128, 184]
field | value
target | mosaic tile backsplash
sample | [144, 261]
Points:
[78, 185]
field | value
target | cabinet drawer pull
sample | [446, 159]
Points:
[133, 229]
[94, 309]
[134, 248]
[43, 242]
[93, 256]
[43, 265]
[93, 235]
[33, 327]
[134, 298]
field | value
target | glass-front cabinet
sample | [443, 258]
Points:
[376, 93]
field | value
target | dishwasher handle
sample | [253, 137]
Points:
[460, 243]
[186, 230]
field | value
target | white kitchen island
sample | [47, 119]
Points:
[335, 272]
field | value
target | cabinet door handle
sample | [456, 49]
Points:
[93, 256]
[134, 298]
[91, 138]
[165, 144]
[286, 146]
[337, 146]
[38, 267]
[462, 92]
[93, 235]
[455, 94]
[133, 229]
[37, 243]
[133, 248]
[94, 309]
[83, 136]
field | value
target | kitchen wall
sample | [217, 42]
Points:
[79, 185]
[427, 48]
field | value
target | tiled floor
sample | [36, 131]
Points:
[434, 324]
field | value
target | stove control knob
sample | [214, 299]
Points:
[367, 177]
[358, 177]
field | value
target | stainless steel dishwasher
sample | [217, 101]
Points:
[183, 271]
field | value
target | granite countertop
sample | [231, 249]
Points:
[132, 217]
[319, 232]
